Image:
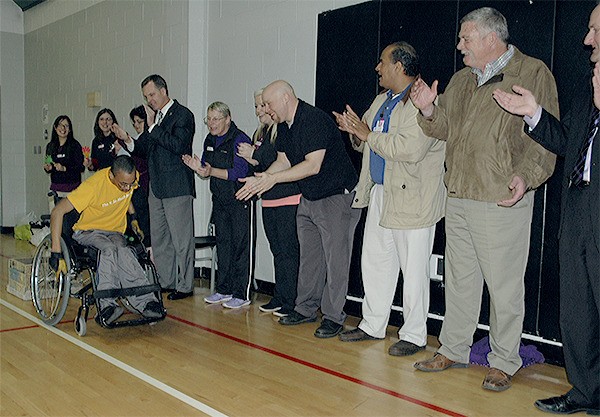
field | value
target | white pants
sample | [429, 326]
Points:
[385, 252]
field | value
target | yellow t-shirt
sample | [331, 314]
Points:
[102, 205]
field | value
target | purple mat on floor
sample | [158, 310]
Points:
[529, 354]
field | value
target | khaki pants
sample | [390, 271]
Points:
[485, 242]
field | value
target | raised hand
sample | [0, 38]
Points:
[149, 115]
[522, 103]
[423, 96]
[120, 133]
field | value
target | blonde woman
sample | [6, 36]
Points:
[279, 206]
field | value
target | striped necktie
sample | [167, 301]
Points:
[159, 117]
[576, 176]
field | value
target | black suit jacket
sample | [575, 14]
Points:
[566, 138]
[164, 146]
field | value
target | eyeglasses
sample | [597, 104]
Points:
[207, 120]
[128, 186]
[64, 125]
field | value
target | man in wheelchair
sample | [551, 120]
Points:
[103, 201]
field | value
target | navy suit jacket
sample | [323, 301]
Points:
[566, 138]
[164, 146]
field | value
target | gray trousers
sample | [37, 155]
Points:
[485, 242]
[117, 267]
[172, 230]
[326, 234]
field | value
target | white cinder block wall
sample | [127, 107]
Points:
[12, 114]
[250, 44]
[207, 50]
[106, 47]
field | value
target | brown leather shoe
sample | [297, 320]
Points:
[497, 380]
[438, 363]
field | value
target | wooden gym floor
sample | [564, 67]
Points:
[206, 360]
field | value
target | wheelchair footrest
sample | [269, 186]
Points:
[133, 322]
[126, 292]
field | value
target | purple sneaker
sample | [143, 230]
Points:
[217, 298]
[236, 303]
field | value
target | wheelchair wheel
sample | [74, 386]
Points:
[80, 326]
[50, 294]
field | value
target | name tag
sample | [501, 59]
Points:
[379, 126]
[60, 155]
[210, 148]
[101, 146]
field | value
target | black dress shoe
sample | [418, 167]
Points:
[356, 335]
[564, 405]
[295, 318]
[327, 329]
[179, 295]
[404, 348]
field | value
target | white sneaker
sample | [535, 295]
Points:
[236, 303]
[217, 298]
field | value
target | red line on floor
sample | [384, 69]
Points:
[32, 326]
[19, 328]
[321, 368]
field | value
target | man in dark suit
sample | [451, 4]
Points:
[576, 139]
[168, 136]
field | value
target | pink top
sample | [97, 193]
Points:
[292, 200]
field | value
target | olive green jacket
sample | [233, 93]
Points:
[487, 146]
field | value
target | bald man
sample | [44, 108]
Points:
[310, 151]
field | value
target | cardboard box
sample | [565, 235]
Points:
[19, 276]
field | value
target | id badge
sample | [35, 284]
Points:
[379, 126]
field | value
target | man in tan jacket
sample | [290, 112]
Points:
[401, 182]
[492, 169]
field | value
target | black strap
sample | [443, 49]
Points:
[126, 292]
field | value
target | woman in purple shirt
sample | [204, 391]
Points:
[230, 216]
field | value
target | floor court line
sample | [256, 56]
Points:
[197, 404]
[33, 326]
[200, 406]
[321, 368]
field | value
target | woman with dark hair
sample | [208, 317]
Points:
[279, 206]
[138, 118]
[103, 144]
[64, 158]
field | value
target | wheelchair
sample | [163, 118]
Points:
[50, 294]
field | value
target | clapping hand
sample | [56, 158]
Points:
[245, 150]
[350, 122]
[522, 103]
[423, 96]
